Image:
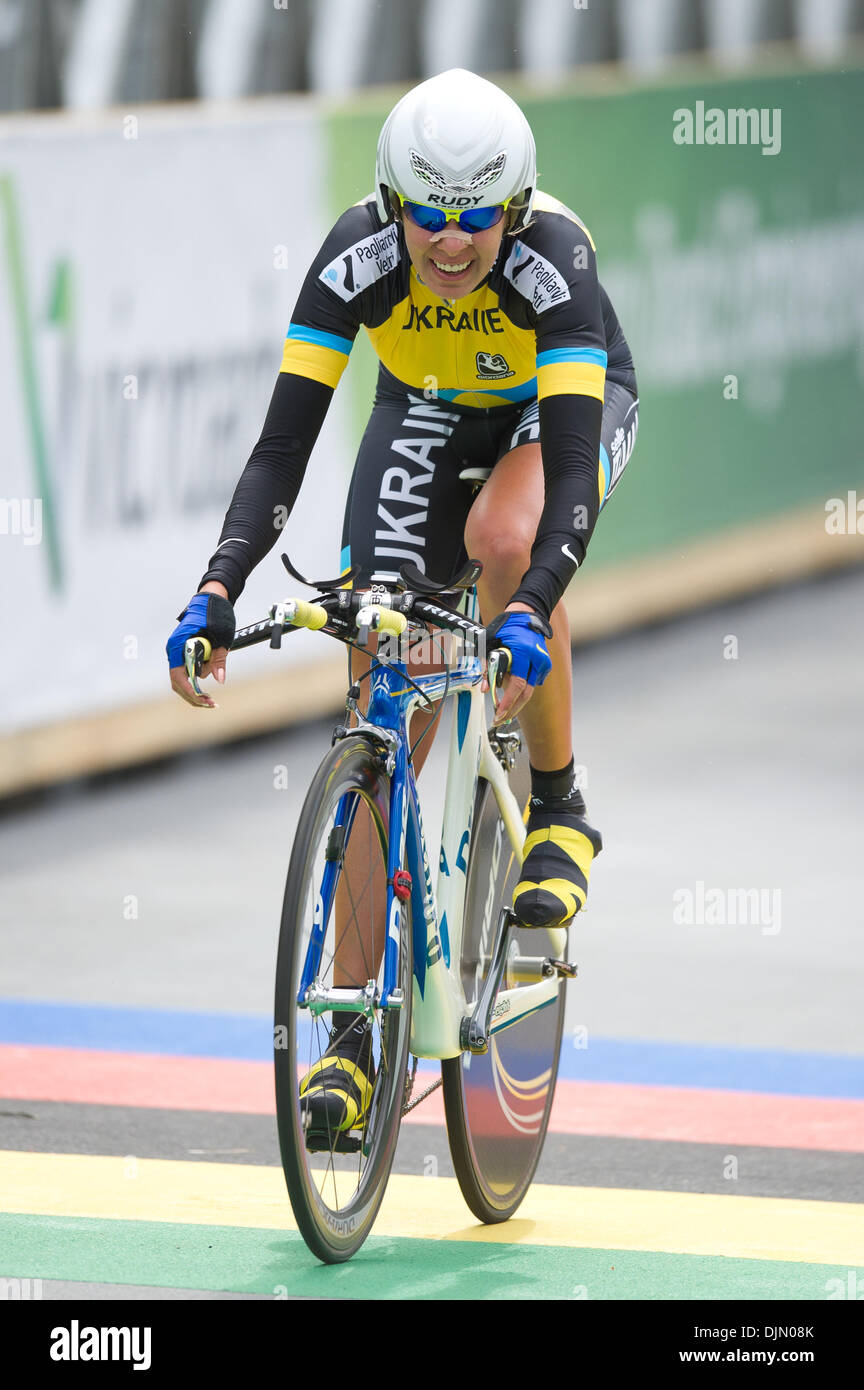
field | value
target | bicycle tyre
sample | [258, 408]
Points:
[498, 1104]
[334, 1230]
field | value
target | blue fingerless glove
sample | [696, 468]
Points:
[523, 635]
[207, 615]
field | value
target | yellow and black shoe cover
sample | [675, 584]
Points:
[556, 864]
[336, 1092]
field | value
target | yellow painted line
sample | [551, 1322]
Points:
[233, 1194]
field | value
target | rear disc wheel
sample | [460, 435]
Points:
[498, 1103]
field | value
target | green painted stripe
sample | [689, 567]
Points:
[30, 380]
[241, 1260]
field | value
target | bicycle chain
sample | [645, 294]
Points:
[410, 1104]
[427, 1092]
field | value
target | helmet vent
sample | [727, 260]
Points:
[427, 173]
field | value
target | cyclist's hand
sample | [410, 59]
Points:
[523, 634]
[207, 615]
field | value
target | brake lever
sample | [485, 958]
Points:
[498, 665]
[196, 653]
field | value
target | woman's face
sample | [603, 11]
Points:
[473, 253]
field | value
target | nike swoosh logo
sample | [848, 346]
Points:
[570, 556]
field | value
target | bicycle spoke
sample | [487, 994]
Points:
[355, 918]
[359, 928]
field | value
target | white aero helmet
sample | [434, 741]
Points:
[457, 142]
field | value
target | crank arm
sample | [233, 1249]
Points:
[475, 1031]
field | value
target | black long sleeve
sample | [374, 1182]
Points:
[570, 440]
[268, 487]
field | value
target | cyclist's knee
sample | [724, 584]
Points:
[504, 549]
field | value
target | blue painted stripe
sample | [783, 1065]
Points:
[463, 711]
[444, 934]
[722, 1068]
[314, 335]
[526, 392]
[245, 1037]
[248, 1037]
[345, 559]
[596, 355]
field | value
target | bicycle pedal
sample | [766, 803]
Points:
[566, 969]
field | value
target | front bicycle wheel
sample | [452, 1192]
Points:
[498, 1103]
[332, 939]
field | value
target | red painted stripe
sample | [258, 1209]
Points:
[581, 1107]
[136, 1079]
[685, 1114]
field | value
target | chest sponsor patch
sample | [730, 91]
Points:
[491, 366]
[360, 265]
[536, 279]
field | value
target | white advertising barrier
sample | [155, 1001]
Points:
[150, 264]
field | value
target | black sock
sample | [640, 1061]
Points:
[350, 1031]
[557, 789]
[545, 784]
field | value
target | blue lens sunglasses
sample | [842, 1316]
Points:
[472, 220]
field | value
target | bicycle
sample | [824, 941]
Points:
[450, 974]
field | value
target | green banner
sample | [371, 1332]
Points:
[729, 222]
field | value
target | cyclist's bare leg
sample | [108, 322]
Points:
[500, 531]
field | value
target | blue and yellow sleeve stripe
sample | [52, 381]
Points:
[571, 372]
[320, 356]
[604, 473]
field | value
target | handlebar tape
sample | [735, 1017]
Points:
[310, 615]
[391, 621]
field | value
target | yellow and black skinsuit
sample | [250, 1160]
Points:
[536, 353]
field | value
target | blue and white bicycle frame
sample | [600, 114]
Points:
[440, 1010]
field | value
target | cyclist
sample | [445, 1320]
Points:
[497, 347]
